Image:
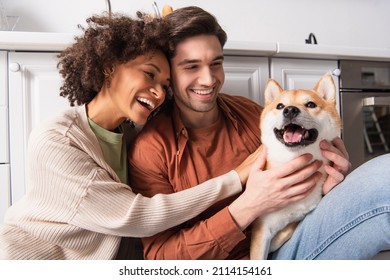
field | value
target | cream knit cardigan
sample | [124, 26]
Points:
[75, 206]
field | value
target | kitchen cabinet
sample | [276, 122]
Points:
[34, 84]
[5, 194]
[246, 76]
[303, 73]
[3, 109]
[4, 155]
[4, 162]
[3, 134]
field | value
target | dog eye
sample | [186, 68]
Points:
[280, 106]
[310, 104]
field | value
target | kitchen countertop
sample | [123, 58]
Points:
[39, 41]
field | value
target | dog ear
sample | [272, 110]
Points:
[272, 90]
[326, 88]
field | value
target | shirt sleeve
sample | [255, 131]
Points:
[112, 208]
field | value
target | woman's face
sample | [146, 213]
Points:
[139, 86]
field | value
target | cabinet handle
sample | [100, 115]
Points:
[336, 72]
[376, 101]
[14, 67]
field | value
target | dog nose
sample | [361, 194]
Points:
[291, 112]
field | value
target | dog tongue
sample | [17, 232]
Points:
[292, 135]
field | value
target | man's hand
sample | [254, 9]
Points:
[339, 164]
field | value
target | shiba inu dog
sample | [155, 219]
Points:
[293, 123]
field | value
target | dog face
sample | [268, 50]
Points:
[296, 119]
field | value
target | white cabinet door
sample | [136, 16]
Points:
[303, 73]
[4, 159]
[4, 190]
[246, 76]
[3, 78]
[3, 108]
[34, 84]
[4, 135]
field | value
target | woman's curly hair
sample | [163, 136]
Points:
[107, 40]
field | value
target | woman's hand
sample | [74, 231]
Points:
[339, 164]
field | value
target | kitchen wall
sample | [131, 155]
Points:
[358, 23]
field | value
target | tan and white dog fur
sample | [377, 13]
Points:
[293, 123]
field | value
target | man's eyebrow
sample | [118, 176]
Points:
[219, 57]
[190, 61]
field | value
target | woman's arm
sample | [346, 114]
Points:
[112, 208]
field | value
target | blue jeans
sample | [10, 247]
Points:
[351, 222]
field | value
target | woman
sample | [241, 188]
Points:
[78, 204]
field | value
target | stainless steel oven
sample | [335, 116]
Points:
[365, 108]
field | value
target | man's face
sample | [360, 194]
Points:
[197, 74]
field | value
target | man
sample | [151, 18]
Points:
[204, 134]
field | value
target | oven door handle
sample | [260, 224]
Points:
[377, 101]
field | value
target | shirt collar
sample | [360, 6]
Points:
[180, 127]
[230, 115]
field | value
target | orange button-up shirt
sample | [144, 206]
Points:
[167, 158]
